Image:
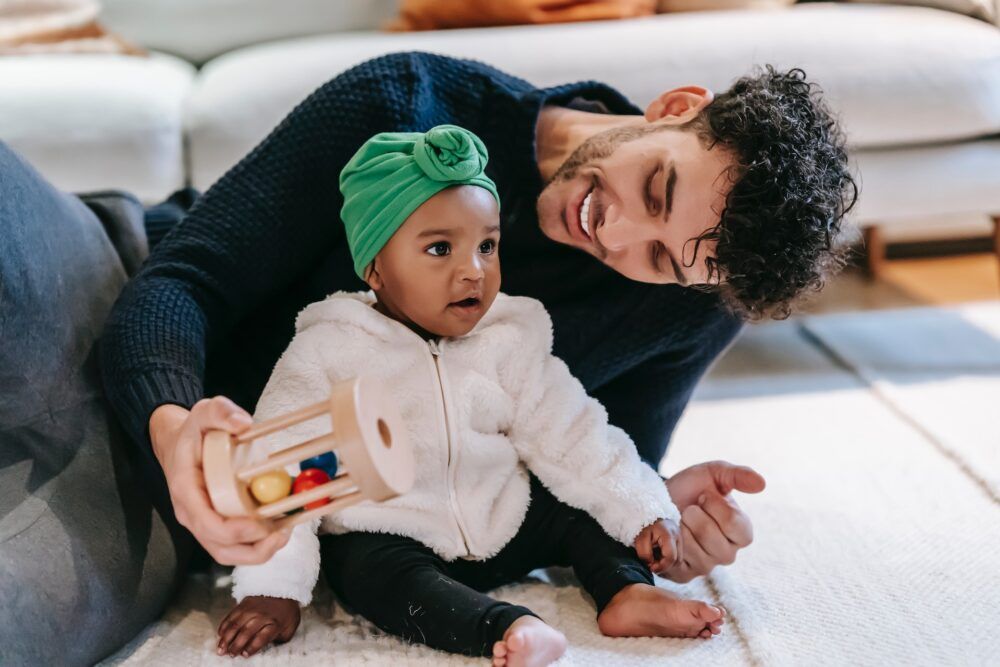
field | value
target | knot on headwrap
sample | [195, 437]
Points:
[393, 173]
[449, 153]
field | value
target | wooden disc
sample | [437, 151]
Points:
[371, 438]
[228, 494]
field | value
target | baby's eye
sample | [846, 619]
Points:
[439, 249]
[487, 247]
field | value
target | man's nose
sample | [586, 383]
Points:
[618, 231]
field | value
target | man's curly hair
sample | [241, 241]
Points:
[791, 190]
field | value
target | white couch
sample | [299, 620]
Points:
[918, 89]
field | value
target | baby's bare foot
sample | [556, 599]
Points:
[529, 642]
[641, 610]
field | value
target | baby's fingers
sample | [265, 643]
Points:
[264, 636]
[644, 547]
[228, 619]
[246, 633]
[228, 628]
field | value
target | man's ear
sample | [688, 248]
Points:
[679, 105]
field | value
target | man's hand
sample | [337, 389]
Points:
[658, 545]
[177, 436]
[256, 622]
[713, 527]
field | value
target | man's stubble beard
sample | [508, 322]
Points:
[598, 147]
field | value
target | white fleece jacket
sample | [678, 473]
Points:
[478, 410]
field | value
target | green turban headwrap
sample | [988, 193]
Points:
[393, 173]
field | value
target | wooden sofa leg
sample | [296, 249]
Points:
[874, 252]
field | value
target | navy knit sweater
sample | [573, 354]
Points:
[214, 306]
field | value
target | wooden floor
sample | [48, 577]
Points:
[913, 282]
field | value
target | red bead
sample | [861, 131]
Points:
[310, 479]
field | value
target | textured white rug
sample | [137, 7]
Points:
[877, 540]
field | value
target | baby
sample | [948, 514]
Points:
[516, 467]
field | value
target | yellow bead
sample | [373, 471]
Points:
[271, 486]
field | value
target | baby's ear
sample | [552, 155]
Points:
[373, 277]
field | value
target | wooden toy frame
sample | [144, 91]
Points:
[368, 437]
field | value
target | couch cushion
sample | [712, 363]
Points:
[94, 122]
[201, 29]
[898, 184]
[898, 75]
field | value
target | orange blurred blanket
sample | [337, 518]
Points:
[441, 14]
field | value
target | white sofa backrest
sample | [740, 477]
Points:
[198, 30]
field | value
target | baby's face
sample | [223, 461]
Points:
[441, 270]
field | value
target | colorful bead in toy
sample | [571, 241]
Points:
[326, 462]
[270, 486]
[310, 478]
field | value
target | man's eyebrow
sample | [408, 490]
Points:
[668, 203]
[681, 278]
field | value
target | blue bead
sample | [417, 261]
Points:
[326, 462]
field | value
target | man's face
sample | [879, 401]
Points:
[635, 197]
[440, 271]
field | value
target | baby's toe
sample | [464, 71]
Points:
[515, 642]
[707, 612]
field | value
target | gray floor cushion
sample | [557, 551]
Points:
[85, 563]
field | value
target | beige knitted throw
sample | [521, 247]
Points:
[56, 26]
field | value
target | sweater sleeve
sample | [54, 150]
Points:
[564, 438]
[648, 400]
[301, 377]
[248, 238]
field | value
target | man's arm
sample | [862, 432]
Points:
[243, 242]
[648, 400]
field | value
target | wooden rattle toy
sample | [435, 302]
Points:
[365, 456]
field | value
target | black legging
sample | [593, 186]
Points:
[406, 589]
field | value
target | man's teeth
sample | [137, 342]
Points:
[585, 213]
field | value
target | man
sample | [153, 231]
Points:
[648, 238]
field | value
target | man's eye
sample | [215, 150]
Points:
[439, 249]
[487, 247]
[651, 202]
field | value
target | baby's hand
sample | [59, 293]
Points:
[659, 545]
[256, 622]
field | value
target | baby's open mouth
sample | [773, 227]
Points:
[467, 303]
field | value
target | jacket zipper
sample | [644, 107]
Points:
[452, 455]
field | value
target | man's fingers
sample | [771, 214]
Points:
[207, 524]
[729, 477]
[697, 561]
[709, 535]
[733, 522]
[247, 554]
[267, 547]
[220, 413]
